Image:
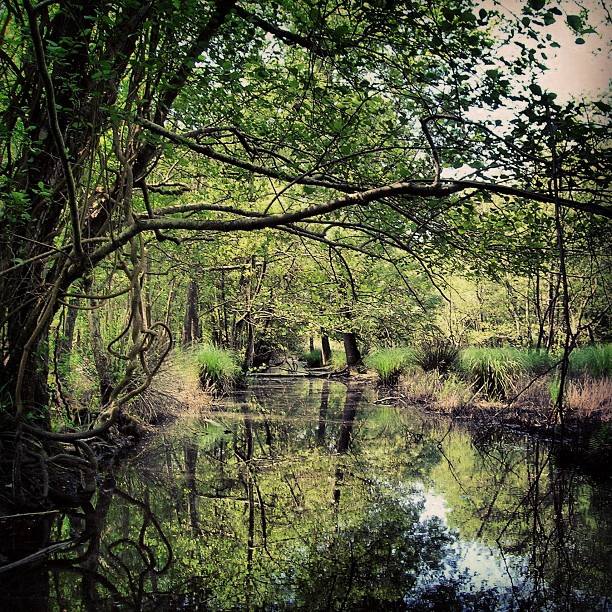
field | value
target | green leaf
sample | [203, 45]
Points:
[535, 89]
[580, 41]
[574, 22]
[537, 5]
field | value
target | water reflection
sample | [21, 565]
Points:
[307, 495]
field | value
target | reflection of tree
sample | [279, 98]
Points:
[258, 527]
[323, 412]
[191, 460]
[353, 397]
[513, 498]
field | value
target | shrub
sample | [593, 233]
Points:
[594, 361]
[390, 363]
[219, 371]
[436, 354]
[313, 359]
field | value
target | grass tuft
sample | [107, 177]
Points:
[313, 359]
[390, 364]
[496, 370]
[436, 354]
[219, 371]
[594, 361]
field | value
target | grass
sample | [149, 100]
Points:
[446, 393]
[496, 370]
[594, 361]
[390, 363]
[313, 359]
[436, 354]
[218, 369]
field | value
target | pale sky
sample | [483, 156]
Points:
[574, 69]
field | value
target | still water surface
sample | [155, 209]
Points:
[305, 494]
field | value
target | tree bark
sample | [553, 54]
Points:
[100, 356]
[353, 356]
[191, 323]
[326, 353]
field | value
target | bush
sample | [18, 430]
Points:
[313, 359]
[390, 363]
[594, 361]
[436, 354]
[219, 371]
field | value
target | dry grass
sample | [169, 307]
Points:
[445, 393]
[588, 397]
[175, 391]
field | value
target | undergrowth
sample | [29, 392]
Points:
[390, 363]
[219, 371]
[313, 359]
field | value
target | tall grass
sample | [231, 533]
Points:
[219, 371]
[389, 364]
[496, 370]
[594, 361]
[313, 359]
[436, 354]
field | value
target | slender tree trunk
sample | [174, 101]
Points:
[100, 355]
[326, 353]
[191, 321]
[65, 341]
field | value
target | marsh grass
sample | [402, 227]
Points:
[313, 359]
[218, 369]
[590, 395]
[594, 361]
[446, 393]
[496, 370]
[436, 354]
[390, 363]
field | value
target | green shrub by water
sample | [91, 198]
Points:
[218, 369]
[389, 364]
[594, 360]
[313, 359]
[496, 369]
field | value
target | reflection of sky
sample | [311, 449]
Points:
[470, 558]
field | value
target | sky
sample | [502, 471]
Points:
[575, 70]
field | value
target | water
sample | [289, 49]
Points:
[305, 494]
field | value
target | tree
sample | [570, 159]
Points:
[123, 120]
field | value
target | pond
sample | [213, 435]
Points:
[306, 494]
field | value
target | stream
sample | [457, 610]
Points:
[305, 494]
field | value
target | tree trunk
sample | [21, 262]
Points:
[100, 356]
[326, 353]
[353, 356]
[191, 322]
